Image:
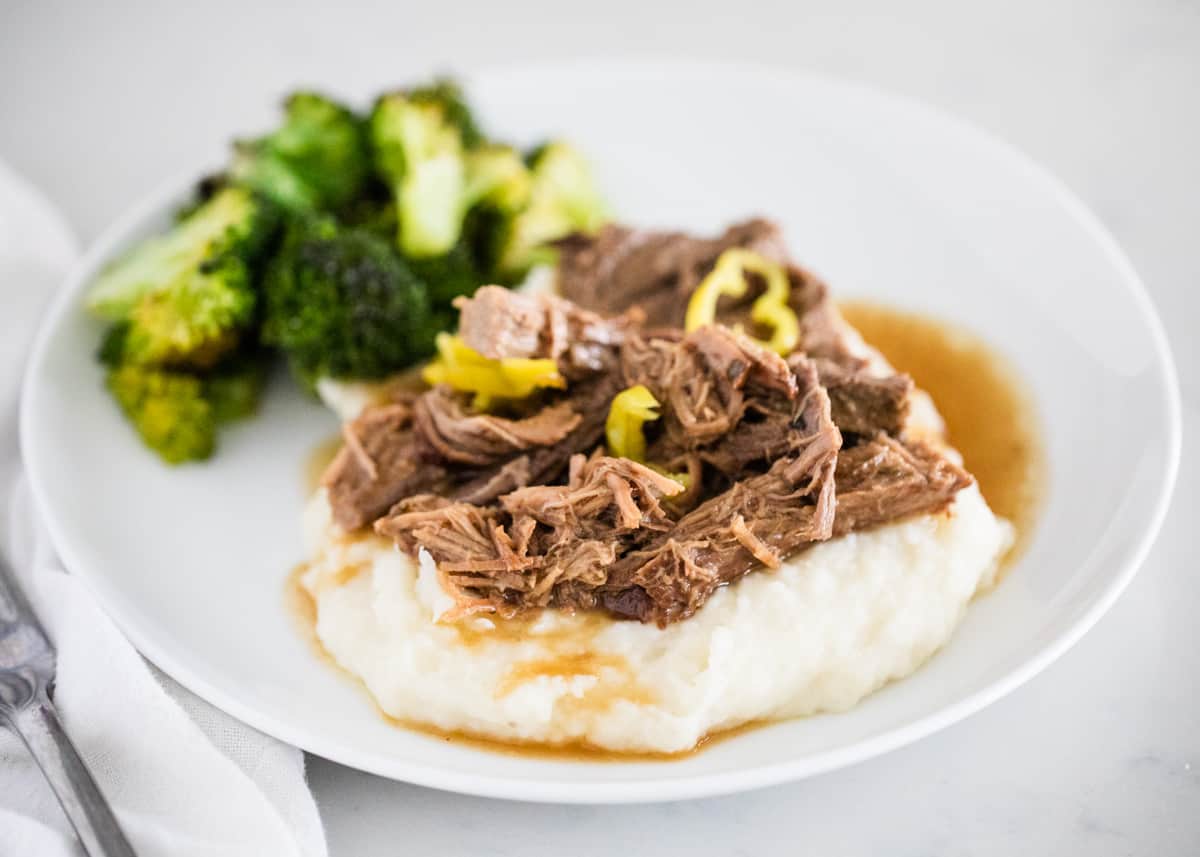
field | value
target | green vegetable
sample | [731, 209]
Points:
[204, 190]
[177, 412]
[341, 303]
[446, 277]
[212, 243]
[446, 95]
[112, 347]
[497, 178]
[419, 153]
[563, 198]
[385, 221]
[195, 321]
[318, 159]
[436, 172]
[168, 409]
[181, 304]
[235, 388]
[373, 214]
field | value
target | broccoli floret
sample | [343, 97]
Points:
[372, 212]
[184, 300]
[177, 411]
[563, 198]
[446, 277]
[205, 189]
[318, 158]
[234, 388]
[497, 178]
[194, 322]
[112, 347]
[446, 94]
[341, 303]
[419, 153]
[180, 303]
[563, 174]
[168, 409]
[233, 224]
[449, 187]
[432, 157]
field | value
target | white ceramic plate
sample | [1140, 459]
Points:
[884, 197]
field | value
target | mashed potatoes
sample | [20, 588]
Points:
[832, 625]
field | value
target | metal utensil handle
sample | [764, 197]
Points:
[84, 805]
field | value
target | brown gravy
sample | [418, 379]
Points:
[573, 752]
[303, 610]
[989, 419]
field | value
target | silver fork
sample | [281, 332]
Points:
[26, 677]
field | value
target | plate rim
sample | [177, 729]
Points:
[551, 790]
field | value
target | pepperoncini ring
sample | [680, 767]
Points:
[465, 369]
[624, 430]
[625, 434]
[770, 309]
[726, 278]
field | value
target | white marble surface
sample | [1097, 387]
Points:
[1098, 755]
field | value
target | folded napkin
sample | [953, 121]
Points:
[185, 779]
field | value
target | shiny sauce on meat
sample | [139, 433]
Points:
[989, 419]
[989, 416]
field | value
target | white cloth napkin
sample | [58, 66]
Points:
[185, 779]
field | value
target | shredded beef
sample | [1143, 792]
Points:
[886, 479]
[540, 538]
[376, 466]
[774, 428]
[603, 497]
[434, 442]
[523, 509]
[621, 268]
[590, 400]
[681, 570]
[727, 402]
[865, 404]
[530, 550]
[624, 268]
[703, 381]
[478, 440]
[436, 446]
[499, 323]
[764, 518]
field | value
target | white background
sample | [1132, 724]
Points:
[1100, 755]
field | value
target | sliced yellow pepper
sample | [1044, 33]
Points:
[781, 318]
[468, 371]
[728, 277]
[683, 477]
[624, 431]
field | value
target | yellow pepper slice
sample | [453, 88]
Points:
[728, 277]
[781, 318]
[683, 477]
[465, 369]
[624, 430]
[625, 433]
